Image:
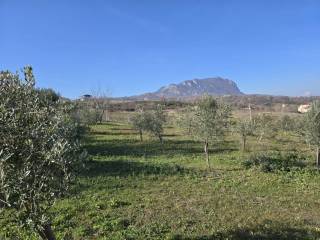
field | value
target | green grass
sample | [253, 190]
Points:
[145, 190]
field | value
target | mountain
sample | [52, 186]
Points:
[193, 88]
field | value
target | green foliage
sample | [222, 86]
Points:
[138, 121]
[186, 119]
[312, 128]
[312, 124]
[39, 151]
[84, 114]
[155, 122]
[275, 161]
[149, 121]
[91, 111]
[211, 119]
[100, 105]
[210, 122]
[48, 94]
[244, 128]
[265, 126]
[287, 123]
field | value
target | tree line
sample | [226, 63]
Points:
[210, 119]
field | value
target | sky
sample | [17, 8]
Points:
[128, 47]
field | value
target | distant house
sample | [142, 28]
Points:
[304, 108]
[85, 97]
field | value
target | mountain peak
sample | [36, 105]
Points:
[197, 87]
[193, 88]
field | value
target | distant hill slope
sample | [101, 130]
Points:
[193, 88]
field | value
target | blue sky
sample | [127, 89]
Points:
[128, 47]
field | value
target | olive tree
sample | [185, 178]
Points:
[100, 104]
[211, 122]
[150, 121]
[287, 123]
[244, 128]
[39, 153]
[265, 126]
[312, 128]
[155, 122]
[185, 119]
[138, 121]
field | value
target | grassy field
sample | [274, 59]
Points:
[145, 190]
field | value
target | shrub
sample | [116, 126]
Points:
[275, 161]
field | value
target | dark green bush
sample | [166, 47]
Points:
[275, 161]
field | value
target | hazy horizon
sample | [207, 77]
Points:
[133, 47]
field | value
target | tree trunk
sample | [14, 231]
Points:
[244, 144]
[46, 232]
[318, 157]
[161, 139]
[140, 133]
[206, 151]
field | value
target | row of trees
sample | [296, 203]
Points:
[40, 152]
[209, 120]
[307, 127]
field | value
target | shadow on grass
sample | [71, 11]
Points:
[113, 133]
[123, 168]
[258, 233]
[135, 148]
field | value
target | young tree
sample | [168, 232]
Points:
[186, 119]
[39, 152]
[211, 122]
[100, 104]
[244, 128]
[312, 128]
[150, 121]
[287, 124]
[155, 121]
[138, 121]
[265, 125]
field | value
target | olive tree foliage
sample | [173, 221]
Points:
[49, 94]
[93, 110]
[185, 120]
[211, 121]
[287, 123]
[150, 121]
[84, 113]
[155, 122]
[138, 121]
[39, 153]
[100, 104]
[312, 128]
